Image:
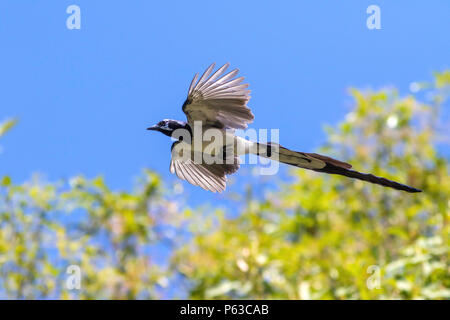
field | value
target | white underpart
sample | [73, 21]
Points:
[205, 145]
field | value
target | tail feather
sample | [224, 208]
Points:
[335, 162]
[332, 169]
[321, 163]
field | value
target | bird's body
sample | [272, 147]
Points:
[206, 149]
[229, 140]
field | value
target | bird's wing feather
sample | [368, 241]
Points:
[218, 100]
[212, 177]
[199, 175]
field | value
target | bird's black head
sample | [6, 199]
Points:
[168, 126]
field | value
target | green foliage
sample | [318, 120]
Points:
[44, 228]
[6, 126]
[320, 237]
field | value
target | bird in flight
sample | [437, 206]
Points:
[217, 103]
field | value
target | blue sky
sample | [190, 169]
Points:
[84, 97]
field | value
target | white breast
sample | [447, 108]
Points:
[211, 146]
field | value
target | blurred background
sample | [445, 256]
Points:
[82, 183]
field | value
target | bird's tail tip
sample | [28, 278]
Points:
[330, 168]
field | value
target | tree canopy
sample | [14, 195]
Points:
[317, 237]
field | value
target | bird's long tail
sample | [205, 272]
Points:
[320, 163]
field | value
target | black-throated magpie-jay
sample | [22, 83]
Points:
[218, 102]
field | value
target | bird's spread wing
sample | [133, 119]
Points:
[198, 175]
[212, 177]
[218, 100]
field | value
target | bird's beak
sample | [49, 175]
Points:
[155, 127]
